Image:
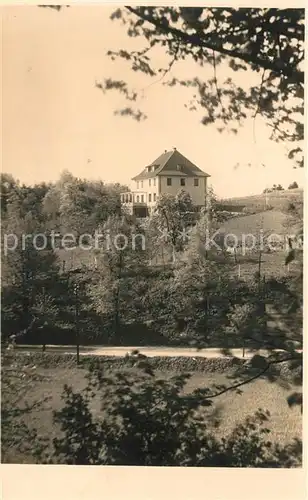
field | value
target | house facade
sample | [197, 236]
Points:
[170, 173]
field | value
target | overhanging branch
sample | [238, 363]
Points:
[196, 41]
[251, 379]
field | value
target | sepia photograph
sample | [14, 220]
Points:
[152, 194]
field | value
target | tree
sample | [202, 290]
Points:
[242, 323]
[8, 184]
[173, 216]
[293, 185]
[46, 313]
[29, 264]
[267, 41]
[79, 206]
[211, 206]
[200, 295]
[119, 259]
[29, 197]
[205, 226]
[295, 224]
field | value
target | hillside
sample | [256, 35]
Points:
[279, 200]
[272, 221]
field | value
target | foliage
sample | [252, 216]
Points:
[268, 42]
[173, 215]
[46, 313]
[7, 186]
[113, 289]
[131, 294]
[247, 324]
[27, 269]
[78, 206]
[28, 199]
[148, 421]
[276, 187]
[202, 299]
[195, 301]
[293, 185]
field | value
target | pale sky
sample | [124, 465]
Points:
[54, 118]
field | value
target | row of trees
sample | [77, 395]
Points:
[278, 187]
[111, 285]
[150, 282]
[69, 205]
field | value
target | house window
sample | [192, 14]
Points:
[149, 182]
[169, 181]
[142, 198]
[126, 198]
[196, 182]
[150, 197]
[154, 197]
[137, 198]
[130, 198]
[137, 184]
[182, 182]
[154, 181]
[141, 184]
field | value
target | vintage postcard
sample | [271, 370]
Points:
[152, 195]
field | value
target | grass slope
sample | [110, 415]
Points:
[278, 199]
[272, 221]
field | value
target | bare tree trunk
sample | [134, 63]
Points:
[117, 312]
[77, 328]
[117, 297]
[259, 270]
[173, 254]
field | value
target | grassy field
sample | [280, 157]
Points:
[272, 221]
[229, 409]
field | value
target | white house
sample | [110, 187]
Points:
[169, 173]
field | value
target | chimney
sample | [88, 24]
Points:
[174, 149]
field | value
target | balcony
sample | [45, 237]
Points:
[135, 198]
[135, 202]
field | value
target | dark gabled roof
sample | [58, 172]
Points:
[167, 163]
